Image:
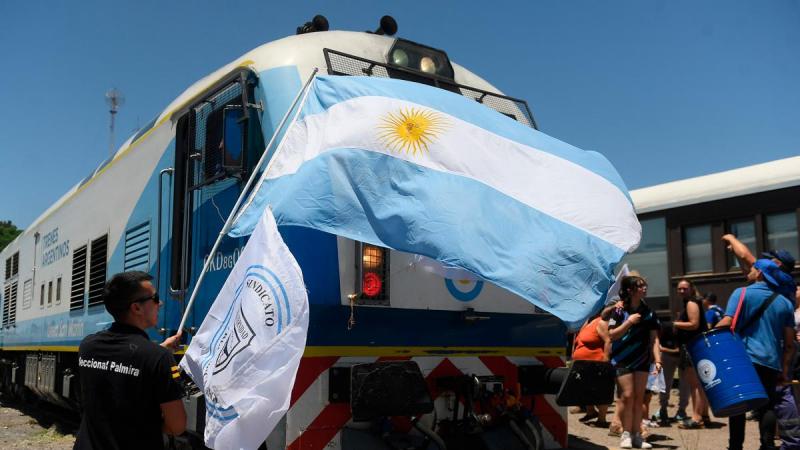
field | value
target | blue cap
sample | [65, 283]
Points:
[772, 274]
[786, 259]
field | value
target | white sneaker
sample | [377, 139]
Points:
[625, 440]
[639, 442]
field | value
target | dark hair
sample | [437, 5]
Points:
[711, 297]
[121, 289]
[628, 285]
[693, 292]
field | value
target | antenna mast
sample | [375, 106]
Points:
[114, 99]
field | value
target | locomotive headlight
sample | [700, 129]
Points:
[400, 57]
[414, 57]
[427, 65]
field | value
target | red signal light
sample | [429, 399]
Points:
[371, 284]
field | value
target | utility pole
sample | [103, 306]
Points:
[114, 99]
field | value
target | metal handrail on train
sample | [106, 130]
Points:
[438, 81]
[170, 171]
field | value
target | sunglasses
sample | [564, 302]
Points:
[153, 297]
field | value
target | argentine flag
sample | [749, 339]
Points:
[426, 171]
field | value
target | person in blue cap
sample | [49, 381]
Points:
[764, 319]
[786, 408]
[781, 258]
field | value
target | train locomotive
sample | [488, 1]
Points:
[398, 356]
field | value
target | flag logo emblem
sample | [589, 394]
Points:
[411, 130]
[237, 338]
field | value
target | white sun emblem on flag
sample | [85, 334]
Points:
[411, 130]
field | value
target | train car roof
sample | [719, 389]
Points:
[763, 177]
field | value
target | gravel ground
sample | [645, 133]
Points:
[44, 427]
[49, 428]
[587, 437]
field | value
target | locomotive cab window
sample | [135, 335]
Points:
[219, 140]
[226, 133]
[232, 138]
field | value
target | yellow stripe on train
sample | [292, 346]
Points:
[41, 348]
[399, 351]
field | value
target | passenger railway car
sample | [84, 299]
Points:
[159, 203]
[683, 223]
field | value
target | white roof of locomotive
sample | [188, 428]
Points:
[730, 183]
[299, 50]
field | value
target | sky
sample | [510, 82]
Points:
[665, 89]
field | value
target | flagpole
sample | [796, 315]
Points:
[226, 227]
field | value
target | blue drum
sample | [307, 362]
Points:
[726, 373]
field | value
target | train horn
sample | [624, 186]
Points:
[318, 23]
[388, 26]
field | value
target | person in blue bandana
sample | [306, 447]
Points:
[764, 319]
[785, 406]
[782, 258]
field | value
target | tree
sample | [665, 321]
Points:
[8, 231]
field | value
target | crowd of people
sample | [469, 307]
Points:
[646, 352]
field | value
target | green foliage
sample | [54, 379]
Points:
[8, 231]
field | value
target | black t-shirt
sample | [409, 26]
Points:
[685, 336]
[124, 379]
[633, 349]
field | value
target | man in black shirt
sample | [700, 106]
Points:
[130, 393]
